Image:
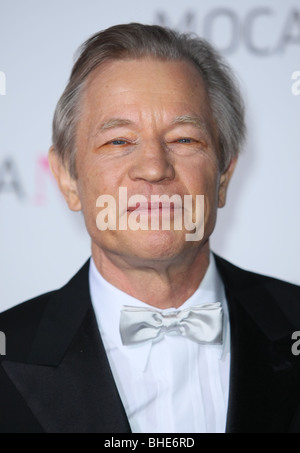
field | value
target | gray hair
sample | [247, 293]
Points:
[136, 41]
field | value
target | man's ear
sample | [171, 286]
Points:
[66, 183]
[224, 182]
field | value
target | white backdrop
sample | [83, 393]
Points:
[41, 243]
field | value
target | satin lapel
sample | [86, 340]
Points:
[67, 382]
[264, 390]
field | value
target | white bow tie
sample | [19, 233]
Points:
[202, 323]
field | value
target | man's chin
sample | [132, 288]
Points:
[156, 245]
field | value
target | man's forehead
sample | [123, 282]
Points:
[144, 72]
[169, 96]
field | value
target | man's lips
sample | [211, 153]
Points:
[154, 207]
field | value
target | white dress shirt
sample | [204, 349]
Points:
[173, 385]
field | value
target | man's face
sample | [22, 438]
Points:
[146, 125]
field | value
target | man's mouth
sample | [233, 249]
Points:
[154, 207]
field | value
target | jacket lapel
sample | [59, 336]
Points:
[264, 392]
[66, 379]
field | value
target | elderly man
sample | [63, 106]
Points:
[155, 333]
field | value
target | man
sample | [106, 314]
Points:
[155, 333]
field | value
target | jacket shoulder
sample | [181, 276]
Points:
[242, 276]
[261, 291]
[20, 324]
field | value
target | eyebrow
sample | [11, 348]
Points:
[193, 120]
[113, 123]
[184, 119]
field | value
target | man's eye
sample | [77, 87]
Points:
[118, 142]
[185, 140]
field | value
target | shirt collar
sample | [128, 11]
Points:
[108, 302]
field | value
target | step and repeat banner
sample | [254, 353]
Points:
[42, 244]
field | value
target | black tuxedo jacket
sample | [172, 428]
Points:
[56, 378]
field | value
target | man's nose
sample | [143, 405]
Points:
[152, 163]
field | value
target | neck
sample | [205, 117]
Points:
[161, 285]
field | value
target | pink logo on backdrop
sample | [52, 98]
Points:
[42, 175]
